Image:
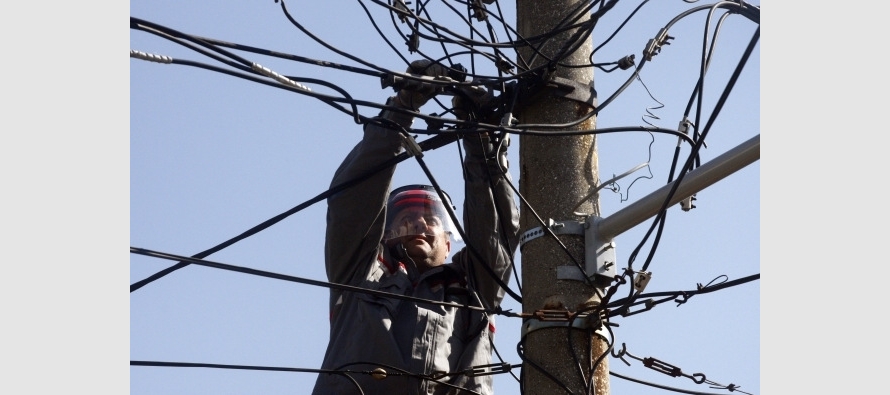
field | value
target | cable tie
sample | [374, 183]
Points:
[150, 57]
[277, 77]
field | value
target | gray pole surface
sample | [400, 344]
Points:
[555, 174]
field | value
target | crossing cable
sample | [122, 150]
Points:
[460, 230]
[284, 215]
[422, 116]
[752, 13]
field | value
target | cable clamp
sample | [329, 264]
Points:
[485, 370]
[653, 47]
[508, 120]
[641, 280]
[411, 145]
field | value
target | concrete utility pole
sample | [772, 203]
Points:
[555, 174]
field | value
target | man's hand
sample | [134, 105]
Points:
[469, 99]
[415, 95]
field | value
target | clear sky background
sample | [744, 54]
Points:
[228, 154]
[212, 155]
[102, 152]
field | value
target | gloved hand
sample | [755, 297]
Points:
[469, 99]
[413, 95]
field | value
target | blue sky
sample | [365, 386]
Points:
[212, 155]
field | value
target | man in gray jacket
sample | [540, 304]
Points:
[398, 243]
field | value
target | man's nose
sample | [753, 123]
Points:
[419, 223]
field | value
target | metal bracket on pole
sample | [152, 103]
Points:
[534, 90]
[573, 90]
[599, 255]
[559, 319]
[599, 252]
[559, 228]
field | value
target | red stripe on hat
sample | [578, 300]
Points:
[414, 201]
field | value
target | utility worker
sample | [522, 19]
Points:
[398, 242]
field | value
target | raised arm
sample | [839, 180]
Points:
[355, 216]
[491, 218]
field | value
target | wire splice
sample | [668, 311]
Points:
[277, 77]
[150, 57]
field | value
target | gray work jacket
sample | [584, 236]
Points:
[407, 338]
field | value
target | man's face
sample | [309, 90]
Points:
[422, 233]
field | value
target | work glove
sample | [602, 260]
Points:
[414, 95]
[470, 99]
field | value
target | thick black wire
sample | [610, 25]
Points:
[520, 350]
[247, 367]
[325, 284]
[472, 249]
[431, 143]
[664, 387]
[403, 372]
[618, 29]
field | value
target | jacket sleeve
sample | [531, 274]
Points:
[491, 218]
[355, 216]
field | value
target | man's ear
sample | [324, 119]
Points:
[448, 245]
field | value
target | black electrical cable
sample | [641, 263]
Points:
[664, 387]
[295, 279]
[672, 295]
[431, 143]
[520, 350]
[476, 254]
